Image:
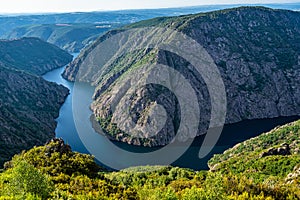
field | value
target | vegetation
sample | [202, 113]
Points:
[72, 31]
[255, 56]
[68, 36]
[28, 103]
[32, 55]
[53, 171]
[265, 167]
[28, 108]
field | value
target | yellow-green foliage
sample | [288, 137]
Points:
[25, 181]
[53, 171]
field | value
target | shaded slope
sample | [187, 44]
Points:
[28, 108]
[28, 103]
[32, 55]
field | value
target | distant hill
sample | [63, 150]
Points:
[74, 31]
[82, 30]
[10, 22]
[256, 50]
[32, 55]
[70, 37]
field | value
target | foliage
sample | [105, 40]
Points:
[25, 181]
[57, 160]
[53, 171]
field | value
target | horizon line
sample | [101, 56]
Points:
[136, 9]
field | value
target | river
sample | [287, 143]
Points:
[74, 126]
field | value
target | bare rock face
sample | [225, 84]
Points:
[57, 145]
[256, 50]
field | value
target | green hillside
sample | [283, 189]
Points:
[53, 171]
[275, 153]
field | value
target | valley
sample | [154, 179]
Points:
[261, 76]
[81, 116]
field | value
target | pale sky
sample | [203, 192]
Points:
[39, 6]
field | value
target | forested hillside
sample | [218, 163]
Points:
[260, 168]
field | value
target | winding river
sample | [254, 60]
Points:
[100, 145]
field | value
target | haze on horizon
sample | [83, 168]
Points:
[56, 6]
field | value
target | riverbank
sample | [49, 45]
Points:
[76, 130]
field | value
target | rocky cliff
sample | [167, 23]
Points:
[256, 50]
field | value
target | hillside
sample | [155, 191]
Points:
[10, 22]
[258, 58]
[68, 36]
[269, 151]
[54, 171]
[32, 55]
[82, 27]
[44, 26]
[29, 105]
[28, 108]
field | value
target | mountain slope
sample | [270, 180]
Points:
[32, 55]
[256, 50]
[28, 108]
[28, 103]
[82, 27]
[271, 160]
[10, 22]
[68, 36]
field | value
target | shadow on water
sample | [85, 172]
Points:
[231, 134]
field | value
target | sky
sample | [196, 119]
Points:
[41, 6]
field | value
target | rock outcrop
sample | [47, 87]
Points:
[256, 50]
[283, 150]
[293, 176]
[58, 147]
